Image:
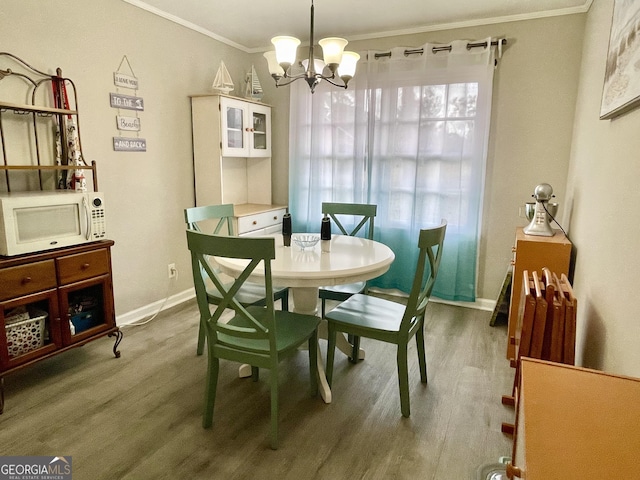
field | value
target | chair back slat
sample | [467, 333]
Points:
[197, 217]
[430, 244]
[336, 211]
[250, 323]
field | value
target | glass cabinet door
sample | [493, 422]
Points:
[86, 308]
[260, 131]
[234, 128]
[29, 328]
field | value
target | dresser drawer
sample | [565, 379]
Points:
[26, 279]
[81, 266]
[257, 221]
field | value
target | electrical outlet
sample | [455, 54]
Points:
[173, 271]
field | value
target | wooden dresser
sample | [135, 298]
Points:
[53, 301]
[575, 423]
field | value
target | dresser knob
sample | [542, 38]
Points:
[85, 266]
[26, 280]
[255, 222]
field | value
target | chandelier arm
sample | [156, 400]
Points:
[330, 80]
[291, 80]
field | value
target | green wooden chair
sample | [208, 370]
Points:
[258, 335]
[391, 322]
[365, 214]
[217, 219]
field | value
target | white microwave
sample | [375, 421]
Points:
[43, 220]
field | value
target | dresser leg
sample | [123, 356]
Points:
[118, 334]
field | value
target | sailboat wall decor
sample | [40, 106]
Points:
[253, 88]
[222, 83]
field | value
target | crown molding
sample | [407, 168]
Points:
[370, 36]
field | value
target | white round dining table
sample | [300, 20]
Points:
[350, 259]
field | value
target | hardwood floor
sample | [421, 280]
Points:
[139, 416]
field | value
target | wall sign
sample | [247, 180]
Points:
[125, 81]
[127, 102]
[126, 123]
[126, 144]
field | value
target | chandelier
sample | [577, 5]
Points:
[340, 66]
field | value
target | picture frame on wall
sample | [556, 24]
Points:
[621, 90]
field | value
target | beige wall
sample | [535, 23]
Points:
[604, 221]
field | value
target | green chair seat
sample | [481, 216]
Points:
[392, 322]
[375, 316]
[290, 327]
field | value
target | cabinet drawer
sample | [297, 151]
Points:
[260, 220]
[26, 279]
[81, 266]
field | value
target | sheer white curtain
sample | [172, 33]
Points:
[410, 135]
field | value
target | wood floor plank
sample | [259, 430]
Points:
[139, 416]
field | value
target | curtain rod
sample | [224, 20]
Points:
[414, 51]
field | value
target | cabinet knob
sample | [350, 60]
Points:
[254, 222]
[26, 280]
[85, 266]
[275, 217]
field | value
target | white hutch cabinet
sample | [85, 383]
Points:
[246, 128]
[232, 160]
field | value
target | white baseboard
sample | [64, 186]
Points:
[141, 313]
[480, 303]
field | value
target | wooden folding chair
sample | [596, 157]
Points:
[569, 321]
[540, 319]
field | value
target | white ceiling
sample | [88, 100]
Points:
[250, 24]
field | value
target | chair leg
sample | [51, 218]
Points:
[285, 301]
[255, 373]
[422, 356]
[274, 408]
[323, 308]
[202, 336]
[331, 351]
[313, 363]
[210, 391]
[355, 352]
[403, 380]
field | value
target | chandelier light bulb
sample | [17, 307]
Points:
[347, 68]
[286, 49]
[275, 69]
[332, 49]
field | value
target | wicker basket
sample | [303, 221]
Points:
[26, 335]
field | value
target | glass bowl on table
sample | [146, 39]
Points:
[305, 240]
